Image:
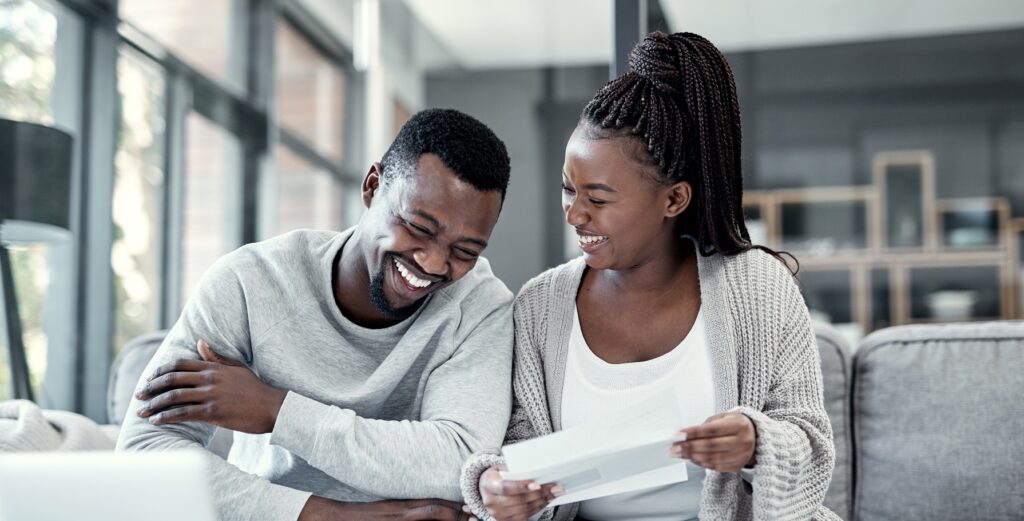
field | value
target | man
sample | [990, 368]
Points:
[354, 366]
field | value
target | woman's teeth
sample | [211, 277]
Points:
[413, 280]
[592, 239]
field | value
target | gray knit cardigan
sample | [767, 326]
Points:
[765, 364]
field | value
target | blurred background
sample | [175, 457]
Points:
[884, 145]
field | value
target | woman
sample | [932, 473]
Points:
[670, 296]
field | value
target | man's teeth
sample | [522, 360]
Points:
[413, 280]
[592, 239]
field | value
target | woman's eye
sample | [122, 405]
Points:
[597, 202]
[567, 189]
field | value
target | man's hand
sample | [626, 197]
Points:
[214, 390]
[725, 443]
[321, 509]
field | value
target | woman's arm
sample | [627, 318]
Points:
[527, 373]
[794, 450]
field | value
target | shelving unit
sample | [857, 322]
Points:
[891, 253]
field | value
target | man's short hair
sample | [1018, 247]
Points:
[465, 145]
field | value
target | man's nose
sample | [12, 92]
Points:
[432, 260]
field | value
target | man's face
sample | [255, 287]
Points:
[424, 231]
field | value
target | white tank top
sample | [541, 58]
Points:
[594, 388]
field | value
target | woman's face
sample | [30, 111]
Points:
[622, 217]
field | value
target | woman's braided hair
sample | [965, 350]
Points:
[679, 99]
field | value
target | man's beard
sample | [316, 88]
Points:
[380, 300]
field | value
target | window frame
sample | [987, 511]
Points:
[250, 117]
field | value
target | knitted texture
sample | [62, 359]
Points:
[24, 427]
[764, 363]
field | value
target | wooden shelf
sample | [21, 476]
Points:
[879, 273]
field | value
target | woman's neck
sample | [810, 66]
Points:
[672, 266]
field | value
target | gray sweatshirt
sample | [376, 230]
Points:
[371, 413]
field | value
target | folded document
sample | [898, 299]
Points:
[610, 456]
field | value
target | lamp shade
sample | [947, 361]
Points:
[35, 173]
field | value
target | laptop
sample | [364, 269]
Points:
[105, 486]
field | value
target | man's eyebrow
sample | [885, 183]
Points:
[433, 220]
[478, 242]
[437, 224]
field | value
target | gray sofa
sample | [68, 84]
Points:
[928, 421]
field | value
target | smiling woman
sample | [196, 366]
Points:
[652, 187]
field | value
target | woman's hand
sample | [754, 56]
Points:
[515, 500]
[724, 443]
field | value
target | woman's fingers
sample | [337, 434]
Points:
[524, 507]
[725, 442]
[503, 487]
[721, 444]
[524, 498]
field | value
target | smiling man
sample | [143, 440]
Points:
[358, 366]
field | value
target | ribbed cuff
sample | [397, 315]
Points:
[299, 422]
[278, 502]
[472, 470]
[783, 454]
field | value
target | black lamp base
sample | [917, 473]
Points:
[12, 319]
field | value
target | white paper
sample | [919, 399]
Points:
[624, 452]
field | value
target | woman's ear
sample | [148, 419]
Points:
[371, 183]
[679, 196]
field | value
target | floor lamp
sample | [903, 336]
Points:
[35, 187]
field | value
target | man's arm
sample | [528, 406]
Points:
[216, 313]
[465, 408]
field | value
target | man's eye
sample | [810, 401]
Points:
[567, 189]
[597, 202]
[417, 229]
[467, 254]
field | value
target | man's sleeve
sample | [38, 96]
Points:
[465, 408]
[218, 314]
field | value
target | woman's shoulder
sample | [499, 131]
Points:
[552, 284]
[759, 264]
[758, 274]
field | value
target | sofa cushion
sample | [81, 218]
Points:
[126, 371]
[938, 422]
[124, 377]
[835, 376]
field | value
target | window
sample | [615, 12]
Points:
[310, 94]
[306, 196]
[27, 38]
[209, 35]
[212, 205]
[40, 42]
[137, 253]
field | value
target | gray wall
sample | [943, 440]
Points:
[533, 111]
[817, 116]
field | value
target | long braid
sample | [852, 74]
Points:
[679, 98]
